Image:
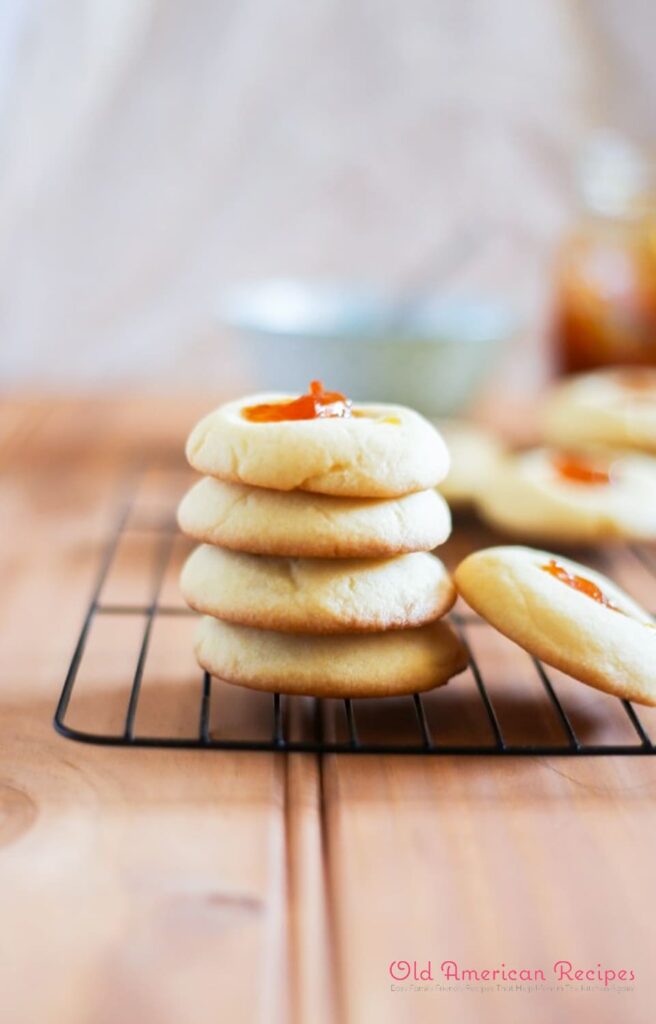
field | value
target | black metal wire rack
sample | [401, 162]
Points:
[316, 740]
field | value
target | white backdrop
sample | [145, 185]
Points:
[155, 150]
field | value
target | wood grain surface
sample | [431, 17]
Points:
[182, 886]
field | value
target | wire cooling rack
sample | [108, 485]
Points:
[318, 734]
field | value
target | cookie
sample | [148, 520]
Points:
[380, 451]
[317, 595]
[474, 454]
[609, 407]
[573, 498]
[297, 524]
[376, 665]
[566, 614]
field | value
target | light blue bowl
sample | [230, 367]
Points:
[431, 354]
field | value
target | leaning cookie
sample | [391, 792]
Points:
[574, 498]
[377, 665]
[297, 524]
[474, 455]
[608, 407]
[567, 615]
[317, 595]
[377, 451]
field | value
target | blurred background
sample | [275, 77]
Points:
[157, 153]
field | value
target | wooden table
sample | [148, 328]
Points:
[199, 886]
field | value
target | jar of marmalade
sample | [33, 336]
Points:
[605, 304]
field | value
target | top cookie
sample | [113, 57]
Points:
[610, 407]
[373, 451]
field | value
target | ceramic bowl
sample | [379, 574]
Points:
[430, 353]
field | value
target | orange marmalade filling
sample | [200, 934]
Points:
[579, 583]
[638, 379]
[317, 404]
[579, 470]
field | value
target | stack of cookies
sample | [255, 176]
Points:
[316, 519]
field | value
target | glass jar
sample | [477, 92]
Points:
[605, 304]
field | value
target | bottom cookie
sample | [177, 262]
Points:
[372, 665]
